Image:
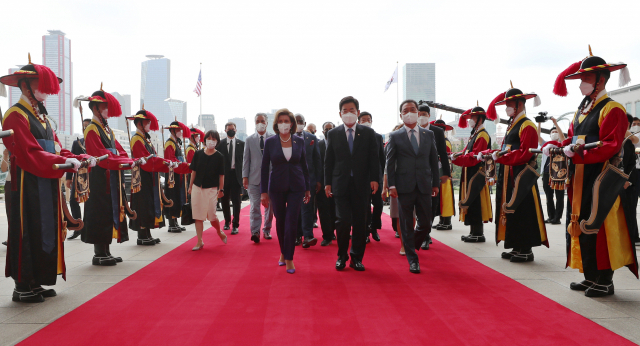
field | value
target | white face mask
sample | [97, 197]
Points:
[511, 111]
[554, 136]
[147, 127]
[104, 113]
[260, 127]
[349, 119]
[284, 128]
[211, 143]
[634, 129]
[423, 121]
[471, 123]
[366, 124]
[410, 118]
[586, 88]
[40, 96]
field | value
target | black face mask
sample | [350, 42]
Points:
[231, 133]
[325, 133]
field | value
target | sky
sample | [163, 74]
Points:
[262, 55]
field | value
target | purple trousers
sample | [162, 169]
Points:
[286, 209]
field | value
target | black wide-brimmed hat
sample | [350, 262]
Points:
[144, 114]
[440, 123]
[176, 125]
[101, 96]
[511, 94]
[49, 82]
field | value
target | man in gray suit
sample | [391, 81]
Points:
[413, 177]
[252, 160]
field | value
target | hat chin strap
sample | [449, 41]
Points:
[41, 109]
[591, 97]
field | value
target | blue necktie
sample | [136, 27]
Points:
[414, 141]
[350, 140]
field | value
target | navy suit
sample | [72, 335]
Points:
[286, 186]
[312, 153]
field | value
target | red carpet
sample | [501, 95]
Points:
[236, 294]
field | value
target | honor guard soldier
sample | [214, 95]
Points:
[598, 239]
[175, 187]
[447, 201]
[475, 201]
[35, 252]
[519, 219]
[197, 137]
[147, 196]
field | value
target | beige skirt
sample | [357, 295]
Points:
[203, 203]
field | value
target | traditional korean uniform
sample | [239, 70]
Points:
[176, 190]
[447, 200]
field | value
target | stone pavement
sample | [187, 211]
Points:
[546, 275]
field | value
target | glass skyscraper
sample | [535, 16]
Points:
[419, 81]
[207, 121]
[56, 54]
[120, 123]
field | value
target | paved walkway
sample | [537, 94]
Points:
[546, 275]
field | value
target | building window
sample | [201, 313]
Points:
[637, 113]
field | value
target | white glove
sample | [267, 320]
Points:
[93, 162]
[74, 162]
[494, 155]
[491, 180]
[176, 164]
[142, 162]
[546, 149]
[567, 151]
[133, 164]
[479, 157]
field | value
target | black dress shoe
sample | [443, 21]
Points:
[357, 265]
[267, 235]
[75, 235]
[325, 242]
[367, 241]
[425, 245]
[226, 227]
[508, 255]
[522, 257]
[27, 297]
[183, 228]
[547, 220]
[103, 261]
[397, 235]
[175, 230]
[255, 238]
[444, 227]
[146, 242]
[309, 243]
[45, 292]
[341, 263]
[474, 239]
[4, 243]
[157, 240]
[414, 268]
[234, 230]
[597, 290]
[315, 225]
[298, 241]
[555, 222]
[435, 226]
[375, 235]
[581, 286]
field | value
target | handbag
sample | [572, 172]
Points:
[187, 217]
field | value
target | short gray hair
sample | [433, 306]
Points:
[266, 118]
[301, 116]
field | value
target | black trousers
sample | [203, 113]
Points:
[74, 205]
[374, 218]
[232, 192]
[554, 210]
[327, 212]
[7, 199]
[421, 203]
[351, 218]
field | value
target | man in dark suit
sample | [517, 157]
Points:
[412, 174]
[232, 149]
[351, 174]
[77, 148]
[374, 219]
[443, 158]
[312, 154]
[326, 205]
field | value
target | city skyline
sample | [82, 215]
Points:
[56, 54]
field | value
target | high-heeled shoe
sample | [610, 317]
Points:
[281, 263]
[291, 271]
[402, 253]
[221, 235]
[196, 248]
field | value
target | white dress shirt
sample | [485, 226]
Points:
[416, 134]
[287, 152]
[346, 131]
[232, 142]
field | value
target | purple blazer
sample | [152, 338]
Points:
[291, 175]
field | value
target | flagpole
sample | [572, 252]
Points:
[200, 92]
[397, 91]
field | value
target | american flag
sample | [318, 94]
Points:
[198, 88]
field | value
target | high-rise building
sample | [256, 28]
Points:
[207, 121]
[419, 81]
[13, 92]
[155, 91]
[241, 127]
[271, 118]
[56, 54]
[120, 123]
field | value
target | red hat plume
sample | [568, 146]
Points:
[154, 121]
[462, 122]
[186, 131]
[48, 82]
[560, 87]
[491, 110]
[195, 131]
[113, 105]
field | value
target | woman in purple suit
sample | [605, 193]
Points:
[288, 185]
